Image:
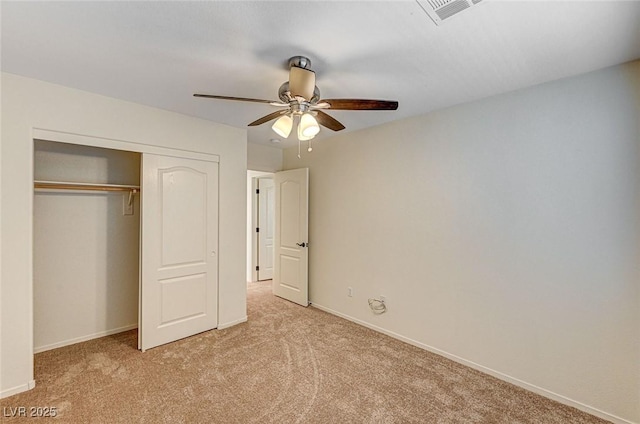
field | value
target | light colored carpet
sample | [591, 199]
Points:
[288, 364]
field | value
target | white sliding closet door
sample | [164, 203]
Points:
[179, 282]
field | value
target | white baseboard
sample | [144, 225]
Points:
[18, 389]
[531, 387]
[56, 345]
[232, 323]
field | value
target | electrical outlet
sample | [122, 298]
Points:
[349, 291]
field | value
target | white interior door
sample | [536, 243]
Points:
[266, 224]
[290, 276]
[179, 282]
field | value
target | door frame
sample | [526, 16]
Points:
[252, 222]
[264, 223]
[113, 144]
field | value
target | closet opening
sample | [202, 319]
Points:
[86, 259]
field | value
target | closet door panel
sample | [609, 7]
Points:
[179, 285]
[183, 216]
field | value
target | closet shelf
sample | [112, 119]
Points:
[64, 185]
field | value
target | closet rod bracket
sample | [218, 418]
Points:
[131, 193]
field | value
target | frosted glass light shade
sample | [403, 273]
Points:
[308, 126]
[283, 126]
[303, 137]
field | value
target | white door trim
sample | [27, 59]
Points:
[266, 223]
[252, 222]
[254, 225]
[126, 145]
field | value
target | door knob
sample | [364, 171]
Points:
[303, 244]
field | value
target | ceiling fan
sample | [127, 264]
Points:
[300, 100]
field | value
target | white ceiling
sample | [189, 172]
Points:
[160, 53]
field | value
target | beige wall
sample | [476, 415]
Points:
[503, 233]
[29, 104]
[263, 158]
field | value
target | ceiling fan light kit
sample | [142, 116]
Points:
[301, 136]
[283, 126]
[308, 126]
[301, 98]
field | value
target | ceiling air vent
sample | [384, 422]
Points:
[439, 10]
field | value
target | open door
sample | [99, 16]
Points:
[179, 243]
[266, 224]
[291, 241]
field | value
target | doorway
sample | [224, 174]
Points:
[260, 225]
[277, 230]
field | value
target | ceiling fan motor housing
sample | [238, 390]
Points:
[300, 62]
[284, 94]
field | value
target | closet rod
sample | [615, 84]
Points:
[63, 185]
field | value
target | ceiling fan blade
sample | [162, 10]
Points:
[241, 99]
[267, 118]
[302, 82]
[328, 121]
[321, 105]
[361, 104]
